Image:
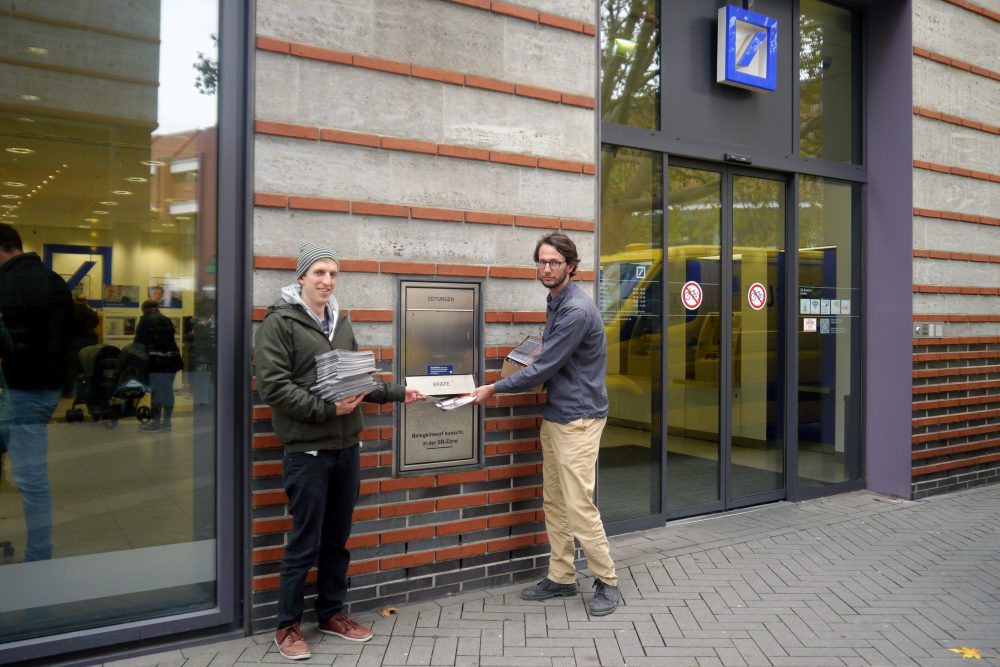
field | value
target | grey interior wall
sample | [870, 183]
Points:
[889, 247]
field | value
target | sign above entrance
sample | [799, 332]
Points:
[747, 49]
[757, 296]
[691, 295]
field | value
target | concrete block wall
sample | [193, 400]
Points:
[422, 138]
[956, 235]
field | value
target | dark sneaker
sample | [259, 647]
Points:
[291, 643]
[605, 600]
[343, 626]
[150, 426]
[546, 588]
[165, 426]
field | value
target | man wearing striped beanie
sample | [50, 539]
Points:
[321, 464]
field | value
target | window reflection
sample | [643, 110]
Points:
[758, 441]
[107, 125]
[631, 304]
[829, 330]
[828, 100]
[694, 221]
[630, 62]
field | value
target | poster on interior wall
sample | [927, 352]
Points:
[119, 326]
[165, 291]
[121, 295]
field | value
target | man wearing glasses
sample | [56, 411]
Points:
[571, 364]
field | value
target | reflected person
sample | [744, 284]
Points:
[37, 310]
[85, 321]
[156, 333]
[571, 364]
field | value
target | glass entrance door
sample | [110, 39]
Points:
[725, 343]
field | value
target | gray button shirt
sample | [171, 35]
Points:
[572, 361]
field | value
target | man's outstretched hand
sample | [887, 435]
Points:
[483, 394]
[413, 395]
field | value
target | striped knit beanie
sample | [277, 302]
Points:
[309, 253]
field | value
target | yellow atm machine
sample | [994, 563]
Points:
[440, 351]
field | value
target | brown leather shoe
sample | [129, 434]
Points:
[291, 643]
[343, 626]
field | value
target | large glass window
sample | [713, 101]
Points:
[829, 101]
[829, 333]
[631, 303]
[630, 63]
[108, 118]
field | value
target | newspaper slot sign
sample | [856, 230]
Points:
[691, 295]
[757, 296]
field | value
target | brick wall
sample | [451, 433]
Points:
[956, 265]
[956, 414]
[422, 138]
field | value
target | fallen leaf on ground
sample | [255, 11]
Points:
[967, 652]
[389, 611]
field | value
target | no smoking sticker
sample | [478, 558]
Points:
[757, 296]
[691, 295]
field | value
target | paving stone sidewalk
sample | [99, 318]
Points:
[855, 579]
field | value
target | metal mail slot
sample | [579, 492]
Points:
[441, 353]
[442, 385]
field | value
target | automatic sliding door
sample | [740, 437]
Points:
[694, 336]
[757, 452]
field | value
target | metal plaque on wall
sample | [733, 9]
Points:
[439, 342]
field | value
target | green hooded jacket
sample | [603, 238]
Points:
[286, 346]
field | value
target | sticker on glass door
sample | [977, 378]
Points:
[757, 296]
[691, 295]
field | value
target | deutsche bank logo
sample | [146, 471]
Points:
[748, 49]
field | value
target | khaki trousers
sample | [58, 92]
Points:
[569, 466]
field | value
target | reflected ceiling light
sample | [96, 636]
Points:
[168, 224]
[16, 150]
[8, 205]
[36, 51]
[92, 221]
[24, 119]
[153, 163]
[11, 196]
[183, 217]
[136, 179]
[108, 203]
[13, 184]
[31, 98]
[83, 227]
[120, 192]
[93, 235]
[155, 209]
[99, 212]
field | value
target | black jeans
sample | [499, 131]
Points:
[322, 491]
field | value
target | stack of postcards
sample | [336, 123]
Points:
[341, 373]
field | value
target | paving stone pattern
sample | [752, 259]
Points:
[855, 579]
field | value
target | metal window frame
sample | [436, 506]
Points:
[232, 417]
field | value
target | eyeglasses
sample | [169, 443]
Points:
[553, 264]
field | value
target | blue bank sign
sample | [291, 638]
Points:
[748, 49]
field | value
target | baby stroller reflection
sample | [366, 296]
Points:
[111, 384]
